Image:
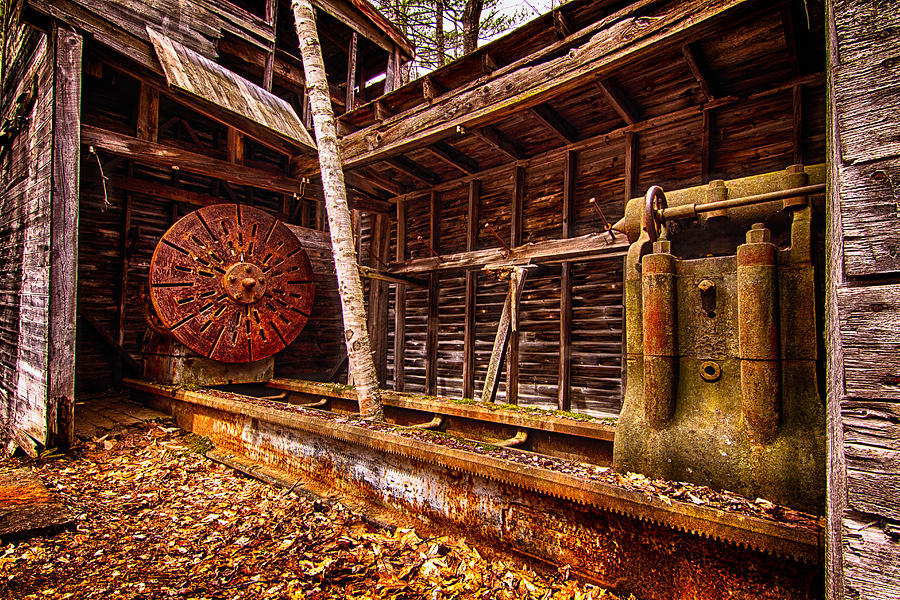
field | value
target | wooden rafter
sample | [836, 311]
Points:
[619, 39]
[495, 139]
[696, 62]
[559, 126]
[377, 180]
[453, 157]
[618, 100]
[411, 169]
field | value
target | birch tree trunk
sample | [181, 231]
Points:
[359, 352]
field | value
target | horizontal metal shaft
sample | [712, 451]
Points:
[687, 211]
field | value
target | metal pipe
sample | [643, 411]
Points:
[659, 291]
[687, 211]
[757, 273]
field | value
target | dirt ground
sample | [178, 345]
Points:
[157, 519]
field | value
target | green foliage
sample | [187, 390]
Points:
[435, 48]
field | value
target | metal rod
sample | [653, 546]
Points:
[427, 245]
[499, 239]
[691, 210]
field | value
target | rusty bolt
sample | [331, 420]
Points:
[248, 282]
[758, 233]
[706, 285]
[662, 247]
[262, 280]
[247, 269]
[232, 278]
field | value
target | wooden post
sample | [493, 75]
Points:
[468, 376]
[235, 146]
[269, 69]
[709, 119]
[798, 124]
[492, 377]
[400, 304]
[632, 145]
[431, 339]
[68, 46]
[515, 240]
[351, 73]
[563, 400]
[148, 113]
[378, 296]
[356, 334]
[123, 281]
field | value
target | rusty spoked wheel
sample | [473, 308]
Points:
[231, 283]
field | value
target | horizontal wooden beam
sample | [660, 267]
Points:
[592, 245]
[162, 190]
[370, 273]
[392, 187]
[633, 33]
[154, 153]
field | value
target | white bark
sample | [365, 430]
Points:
[356, 335]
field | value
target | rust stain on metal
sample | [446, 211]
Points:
[232, 283]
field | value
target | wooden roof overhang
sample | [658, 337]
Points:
[611, 68]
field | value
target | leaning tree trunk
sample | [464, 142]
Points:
[471, 23]
[356, 335]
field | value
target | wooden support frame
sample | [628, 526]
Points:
[697, 65]
[632, 172]
[400, 305]
[515, 238]
[453, 157]
[620, 103]
[564, 386]
[148, 113]
[468, 374]
[518, 198]
[555, 123]
[797, 128]
[706, 143]
[434, 290]
[507, 317]
[494, 139]
[411, 169]
[378, 296]
[68, 48]
[352, 74]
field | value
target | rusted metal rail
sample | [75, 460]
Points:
[799, 542]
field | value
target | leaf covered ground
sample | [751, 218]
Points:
[157, 519]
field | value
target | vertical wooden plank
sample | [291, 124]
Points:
[798, 124]
[431, 339]
[64, 236]
[706, 145]
[123, 282]
[468, 376]
[632, 148]
[400, 305]
[378, 296]
[518, 195]
[563, 400]
[515, 239]
[351, 73]
[148, 113]
[836, 471]
[501, 339]
[235, 146]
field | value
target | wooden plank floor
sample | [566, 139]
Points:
[99, 413]
[26, 505]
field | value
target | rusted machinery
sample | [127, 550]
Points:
[721, 345]
[231, 286]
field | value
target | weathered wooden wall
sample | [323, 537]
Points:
[863, 301]
[25, 184]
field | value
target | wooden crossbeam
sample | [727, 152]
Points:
[696, 62]
[453, 157]
[585, 247]
[411, 169]
[377, 180]
[559, 126]
[618, 100]
[493, 138]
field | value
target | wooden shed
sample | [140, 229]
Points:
[524, 152]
